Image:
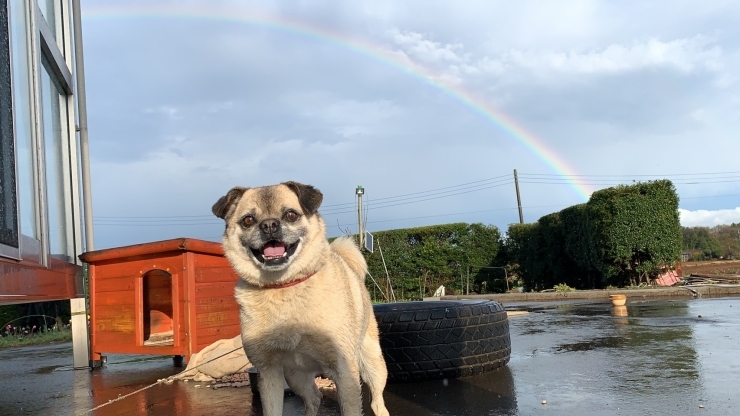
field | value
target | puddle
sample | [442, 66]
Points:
[607, 342]
[653, 357]
[50, 369]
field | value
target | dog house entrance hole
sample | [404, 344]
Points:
[157, 304]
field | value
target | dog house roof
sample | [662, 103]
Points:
[177, 244]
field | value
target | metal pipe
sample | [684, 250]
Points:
[82, 126]
[81, 337]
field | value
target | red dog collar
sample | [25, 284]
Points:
[289, 284]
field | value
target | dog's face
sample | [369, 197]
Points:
[268, 228]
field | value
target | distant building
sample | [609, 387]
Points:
[41, 227]
[686, 256]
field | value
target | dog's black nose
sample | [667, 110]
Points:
[270, 226]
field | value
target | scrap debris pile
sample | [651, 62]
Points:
[720, 280]
[325, 385]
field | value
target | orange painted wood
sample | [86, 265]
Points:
[217, 289]
[22, 282]
[210, 335]
[140, 293]
[209, 320]
[115, 284]
[214, 274]
[189, 289]
[147, 249]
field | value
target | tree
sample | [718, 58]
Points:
[622, 235]
[440, 254]
[703, 239]
[637, 231]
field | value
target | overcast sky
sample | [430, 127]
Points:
[184, 104]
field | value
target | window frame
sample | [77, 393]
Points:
[5, 249]
[42, 42]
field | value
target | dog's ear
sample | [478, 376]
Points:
[309, 197]
[224, 204]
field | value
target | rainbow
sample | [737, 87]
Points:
[394, 59]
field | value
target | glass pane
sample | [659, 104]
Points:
[8, 206]
[52, 12]
[48, 10]
[56, 163]
[22, 101]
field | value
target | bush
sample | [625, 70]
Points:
[421, 259]
[636, 231]
[563, 288]
[622, 235]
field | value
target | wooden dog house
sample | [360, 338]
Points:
[171, 297]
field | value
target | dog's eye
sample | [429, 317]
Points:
[249, 220]
[291, 216]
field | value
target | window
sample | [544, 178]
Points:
[23, 128]
[8, 203]
[39, 198]
[56, 162]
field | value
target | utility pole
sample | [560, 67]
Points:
[361, 229]
[518, 198]
[467, 280]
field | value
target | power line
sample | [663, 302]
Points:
[480, 185]
[461, 213]
[421, 200]
[331, 207]
[437, 193]
[374, 205]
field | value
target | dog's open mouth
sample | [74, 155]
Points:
[274, 253]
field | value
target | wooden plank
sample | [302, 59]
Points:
[113, 298]
[203, 261]
[94, 356]
[211, 335]
[215, 274]
[121, 344]
[168, 262]
[181, 332]
[188, 295]
[22, 282]
[111, 341]
[214, 319]
[177, 245]
[118, 318]
[114, 284]
[214, 289]
[223, 304]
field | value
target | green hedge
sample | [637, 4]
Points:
[421, 259]
[637, 232]
[622, 235]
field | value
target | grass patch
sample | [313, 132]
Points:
[562, 287]
[22, 337]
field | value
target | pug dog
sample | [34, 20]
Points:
[304, 307]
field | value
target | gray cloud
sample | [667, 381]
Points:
[183, 108]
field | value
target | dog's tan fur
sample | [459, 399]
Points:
[323, 325]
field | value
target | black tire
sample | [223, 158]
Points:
[442, 339]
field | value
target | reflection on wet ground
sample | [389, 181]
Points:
[583, 358]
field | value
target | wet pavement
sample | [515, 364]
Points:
[672, 357]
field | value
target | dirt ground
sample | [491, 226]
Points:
[711, 267]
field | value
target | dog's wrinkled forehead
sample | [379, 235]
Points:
[268, 201]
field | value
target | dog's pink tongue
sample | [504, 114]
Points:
[273, 249]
